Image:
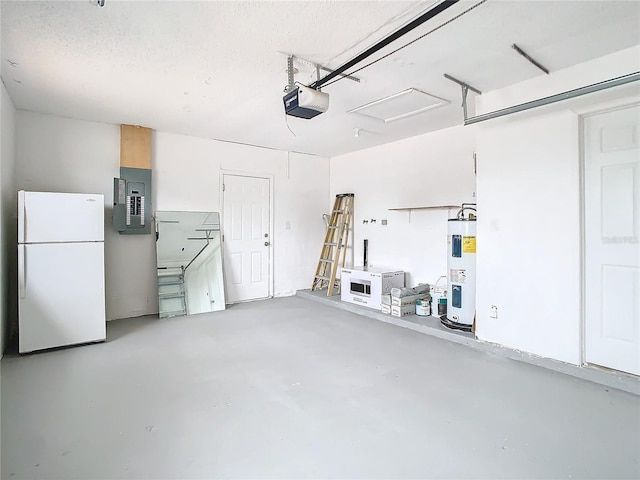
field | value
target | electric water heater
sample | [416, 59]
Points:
[461, 270]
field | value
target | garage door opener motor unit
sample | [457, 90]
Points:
[305, 102]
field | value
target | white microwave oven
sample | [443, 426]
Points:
[360, 287]
[366, 287]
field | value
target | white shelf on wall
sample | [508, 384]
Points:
[435, 207]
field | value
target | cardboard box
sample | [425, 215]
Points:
[386, 309]
[411, 299]
[366, 287]
[403, 311]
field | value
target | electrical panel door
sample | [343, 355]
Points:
[132, 201]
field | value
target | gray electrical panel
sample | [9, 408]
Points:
[132, 201]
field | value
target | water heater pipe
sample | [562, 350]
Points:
[464, 207]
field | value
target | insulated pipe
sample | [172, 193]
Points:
[428, 15]
[366, 254]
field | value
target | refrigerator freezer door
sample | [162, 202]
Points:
[62, 300]
[60, 217]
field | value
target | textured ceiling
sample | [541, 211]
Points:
[216, 69]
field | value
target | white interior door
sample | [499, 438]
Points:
[247, 239]
[612, 250]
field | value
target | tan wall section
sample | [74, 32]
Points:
[135, 146]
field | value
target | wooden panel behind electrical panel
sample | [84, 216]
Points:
[135, 146]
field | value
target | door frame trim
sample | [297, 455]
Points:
[596, 110]
[583, 240]
[270, 178]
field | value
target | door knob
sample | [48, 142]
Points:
[266, 244]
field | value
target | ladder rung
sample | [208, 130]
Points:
[326, 260]
[332, 226]
[336, 281]
[338, 211]
[330, 244]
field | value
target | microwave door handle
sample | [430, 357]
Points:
[22, 274]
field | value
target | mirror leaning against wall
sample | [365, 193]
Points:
[189, 263]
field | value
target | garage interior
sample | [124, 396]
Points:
[525, 112]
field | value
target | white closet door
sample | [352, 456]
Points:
[612, 248]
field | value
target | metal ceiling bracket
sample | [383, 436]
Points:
[525, 55]
[595, 87]
[291, 82]
[465, 91]
[291, 71]
[461, 83]
[343, 75]
[318, 73]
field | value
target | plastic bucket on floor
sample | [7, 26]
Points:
[439, 298]
[423, 308]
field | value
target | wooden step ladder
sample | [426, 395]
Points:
[334, 248]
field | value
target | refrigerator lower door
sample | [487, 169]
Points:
[61, 295]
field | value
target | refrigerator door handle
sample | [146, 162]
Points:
[22, 216]
[22, 284]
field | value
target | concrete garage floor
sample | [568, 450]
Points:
[289, 388]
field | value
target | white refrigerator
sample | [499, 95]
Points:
[60, 270]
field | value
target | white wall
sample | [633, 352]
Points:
[187, 177]
[528, 202]
[529, 224]
[65, 155]
[427, 170]
[528, 261]
[8, 227]
[61, 154]
[528, 181]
